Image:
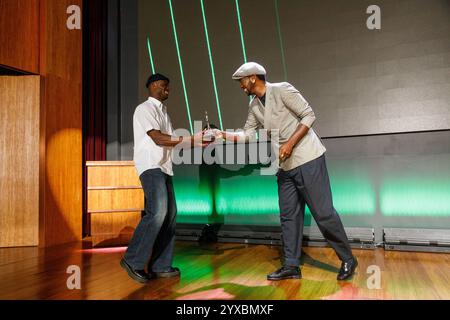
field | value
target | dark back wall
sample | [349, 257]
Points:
[361, 83]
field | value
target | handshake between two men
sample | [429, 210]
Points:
[210, 135]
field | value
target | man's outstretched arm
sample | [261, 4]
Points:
[165, 140]
[251, 125]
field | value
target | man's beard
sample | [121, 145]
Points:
[164, 96]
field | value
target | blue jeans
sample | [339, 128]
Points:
[154, 237]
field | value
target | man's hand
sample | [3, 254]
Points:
[287, 148]
[198, 139]
[286, 151]
[234, 137]
[219, 134]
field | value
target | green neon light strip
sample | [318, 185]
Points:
[238, 11]
[150, 55]
[181, 66]
[241, 31]
[212, 64]
[283, 58]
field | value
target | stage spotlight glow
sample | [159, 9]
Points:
[192, 199]
[415, 196]
[258, 195]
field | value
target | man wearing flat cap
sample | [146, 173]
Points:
[302, 177]
[153, 240]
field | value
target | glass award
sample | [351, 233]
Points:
[209, 133]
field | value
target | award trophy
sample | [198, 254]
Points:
[209, 133]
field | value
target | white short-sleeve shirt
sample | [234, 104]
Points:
[151, 115]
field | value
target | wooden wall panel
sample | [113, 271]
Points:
[34, 37]
[61, 127]
[62, 54]
[19, 161]
[19, 34]
[61, 214]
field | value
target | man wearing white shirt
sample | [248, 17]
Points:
[153, 240]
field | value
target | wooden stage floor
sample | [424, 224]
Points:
[220, 271]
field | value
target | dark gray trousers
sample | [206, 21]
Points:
[309, 184]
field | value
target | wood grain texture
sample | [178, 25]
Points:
[61, 216]
[61, 126]
[61, 48]
[113, 176]
[221, 271]
[113, 228]
[34, 37]
[115, 202]
[109, 163]
[19, 160]
[19, 36]
[120, 199]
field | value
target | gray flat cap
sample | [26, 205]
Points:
[249, 69]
